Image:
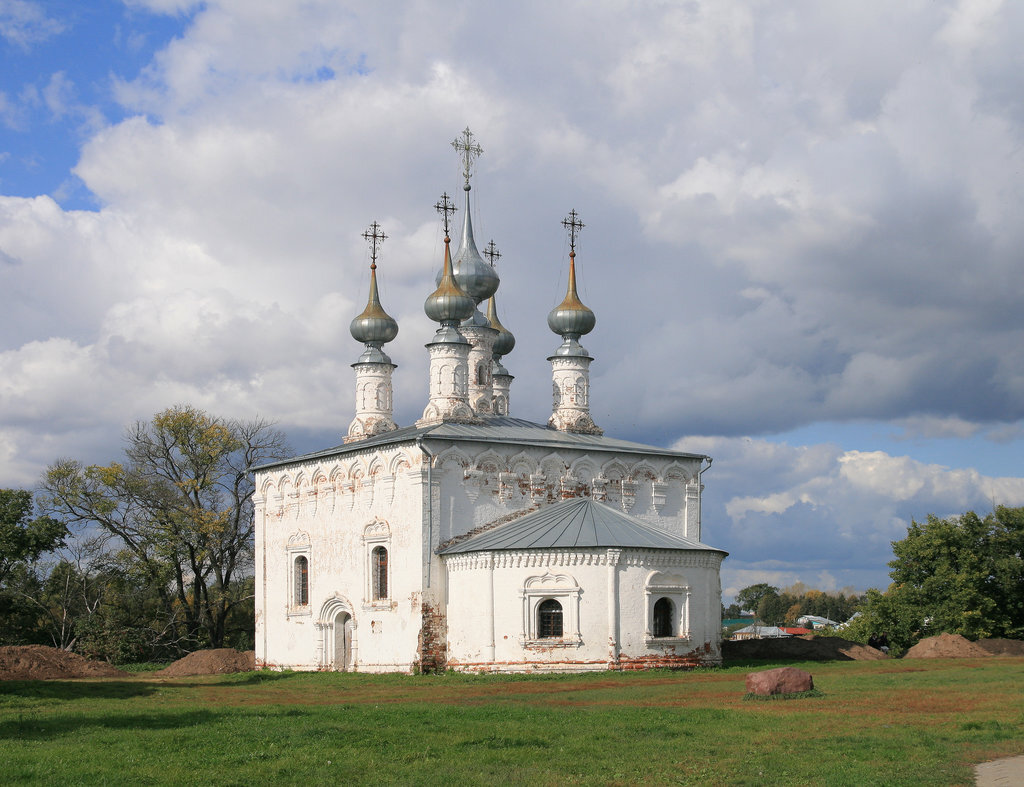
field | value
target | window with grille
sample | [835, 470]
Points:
[301, 597]
[549, 619]
[379, 561]
[663, 618]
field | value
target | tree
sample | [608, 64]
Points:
[962, 575]
[750, 597]
[180, 508]
[23, 539]
[771, 609]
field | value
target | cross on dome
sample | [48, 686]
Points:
[573, 224]
[376, 237]
[491, 253]
[446, 208]
[469, 151]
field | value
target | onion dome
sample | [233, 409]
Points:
[506, 341]
[374, 327]
[571, 319]
[477, 279]
[448, 304]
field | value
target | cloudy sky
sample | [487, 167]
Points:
[803, 234]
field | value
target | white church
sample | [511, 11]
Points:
[472, 539]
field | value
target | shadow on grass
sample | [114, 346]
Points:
[30, 726]
[76, 690]
[228, 679]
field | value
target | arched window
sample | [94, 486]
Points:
[662, 618]
[379, 562]
[301, 582]
[549, 619]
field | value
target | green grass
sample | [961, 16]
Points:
[885, 722]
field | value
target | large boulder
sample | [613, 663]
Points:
[784, 680]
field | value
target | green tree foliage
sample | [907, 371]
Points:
[750, 597]
[22, 538]
[179, 509]
[963, 575]
[777, 608]
[771, 609]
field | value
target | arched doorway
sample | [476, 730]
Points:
[342, 641]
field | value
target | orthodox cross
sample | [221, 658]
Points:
[469, 150]
[446, 208]
[574, 225]
[491, 253]
[375, 236]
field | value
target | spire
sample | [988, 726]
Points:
[374, 328]
[448, 304]
[570, 365]
[571, 319]
[474, 275]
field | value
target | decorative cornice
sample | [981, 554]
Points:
[584, 556]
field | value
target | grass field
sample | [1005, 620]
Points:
[877, 722]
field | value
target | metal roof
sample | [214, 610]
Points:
[575, 523]
[492, 430]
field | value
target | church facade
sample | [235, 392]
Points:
[472, 539]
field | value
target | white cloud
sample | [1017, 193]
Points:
[794, 215]
[787, 512]
[24, 23]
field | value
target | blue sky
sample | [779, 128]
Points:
[60, 62]
[803, 242]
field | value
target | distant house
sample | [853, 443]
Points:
[796, 631]
[815, 621]
[759, 632]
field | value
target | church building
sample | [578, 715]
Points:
[473, 539]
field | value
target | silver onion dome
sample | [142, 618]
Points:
[374, 326]
[571, 319]
[476, 278]
[448, 304]
[505, 342]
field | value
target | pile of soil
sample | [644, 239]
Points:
[949, 646]
[218, 661]
[39, 662]
[1001, 647]
[804, 648]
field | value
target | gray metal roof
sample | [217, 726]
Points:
[492, 430]
[579, 522]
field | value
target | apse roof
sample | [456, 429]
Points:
[493, 429]
[575, 523]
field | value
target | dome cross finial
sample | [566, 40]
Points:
[469, 151]
[491, 253]
[446, 208]
[573, 224]
[375, 236]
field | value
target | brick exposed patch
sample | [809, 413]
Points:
[431, 646]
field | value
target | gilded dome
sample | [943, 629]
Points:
[571, 319]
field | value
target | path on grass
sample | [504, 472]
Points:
[1007, 772]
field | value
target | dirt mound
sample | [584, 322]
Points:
[1001, 647]
[211, 662]
[806, 648]
[947, 646]
[39, 662]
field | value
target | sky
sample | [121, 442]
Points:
[803, 241]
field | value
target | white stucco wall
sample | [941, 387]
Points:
[332, 507]
[606, 598]
[336, 513]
